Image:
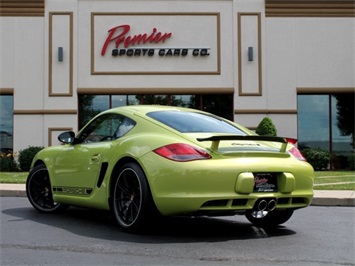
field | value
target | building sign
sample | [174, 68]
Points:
[175, 43]
[120, 36]
[124, 44]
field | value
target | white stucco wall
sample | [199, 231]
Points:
[296, 53]
[301, 53]
[22, 60]
[182, 35]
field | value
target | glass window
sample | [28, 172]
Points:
[188, 122]
[181, 100]
[6, 123]
[221, 105]
[218, 104]
[327, 122]
[123, 100]
[106, 128]
[342, 145]
[155, 99]
[313, 121]
[91, 105]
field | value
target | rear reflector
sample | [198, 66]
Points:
[182, 152]
[296, 153]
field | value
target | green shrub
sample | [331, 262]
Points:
[317, 157]
[7, 163]
[266, 128]
[26, 156]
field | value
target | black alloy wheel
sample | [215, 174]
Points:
[39, 191]
[132, 201]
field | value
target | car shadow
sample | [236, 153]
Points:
[101, 225]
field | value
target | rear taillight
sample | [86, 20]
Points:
[294, 151]
[291, 140]
[182, 152]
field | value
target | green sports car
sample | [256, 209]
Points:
[143, 161]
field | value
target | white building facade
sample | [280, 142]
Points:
[63, 60]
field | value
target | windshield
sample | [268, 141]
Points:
[189, 122]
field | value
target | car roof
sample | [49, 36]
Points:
[143, 109]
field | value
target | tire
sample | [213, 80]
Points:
[271, 219]
[39, 191]
[131, 198]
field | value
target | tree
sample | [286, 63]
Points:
[345, 115]
[220, 105]
[266, 127]
[86, 111]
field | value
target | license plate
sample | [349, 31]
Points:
[265, 182]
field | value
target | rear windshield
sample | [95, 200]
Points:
[188, 122]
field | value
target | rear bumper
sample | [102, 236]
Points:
[229, 205]
[226, 185]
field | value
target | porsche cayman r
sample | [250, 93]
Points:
[139, 161]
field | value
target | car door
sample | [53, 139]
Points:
[77, 167]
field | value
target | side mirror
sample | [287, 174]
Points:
[67, 137]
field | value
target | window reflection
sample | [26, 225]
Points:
[106, 127]
[6, 123]
[91, 105]
[182, 100]
[327, 122]
[123, 100]
[313, 121]
[342, 110]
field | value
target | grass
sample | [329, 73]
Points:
[334, 180]
[324, 180]
[13, 177]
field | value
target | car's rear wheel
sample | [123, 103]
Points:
[269, 219]
[132, 202]
[39, 191]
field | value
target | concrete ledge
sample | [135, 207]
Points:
[12, 190]
[333, 198]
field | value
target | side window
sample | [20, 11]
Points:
[126, 125]
[107, 127]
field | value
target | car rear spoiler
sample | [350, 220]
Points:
[216, 139]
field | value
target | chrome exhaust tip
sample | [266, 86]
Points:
[271, 205]
[262, 205]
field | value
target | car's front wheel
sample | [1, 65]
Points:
[269, 219]
[131, 199]
[39, 191]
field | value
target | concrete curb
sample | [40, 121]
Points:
[12, 190]
[334, 198]
[321, 197]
